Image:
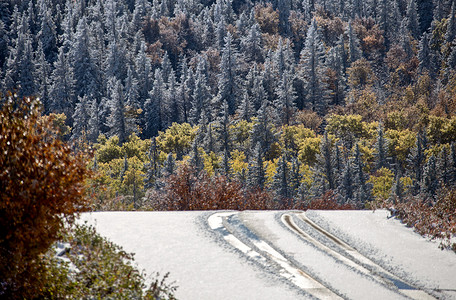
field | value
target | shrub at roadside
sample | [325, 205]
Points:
[437, 221]
[41, 189]
[91, 267]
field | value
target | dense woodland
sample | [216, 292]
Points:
[225, 104]
[294, 101]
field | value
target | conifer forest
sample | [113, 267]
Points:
[245, 104]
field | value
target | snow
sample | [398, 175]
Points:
[257, 255]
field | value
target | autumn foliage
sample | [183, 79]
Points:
[41, 188]
[189, 190]
[437, 221]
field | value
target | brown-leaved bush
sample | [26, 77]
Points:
[437, 221]
[187, 190]
[41, 188]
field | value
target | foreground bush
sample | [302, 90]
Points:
[437, 221]
[41, 188]
[91, 267]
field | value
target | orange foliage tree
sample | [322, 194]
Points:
[41, 189]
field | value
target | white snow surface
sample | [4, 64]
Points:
[205, 265]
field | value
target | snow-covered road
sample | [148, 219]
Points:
[283, 254]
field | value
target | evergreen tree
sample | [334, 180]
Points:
[404, 39]
[429, 181]
[172, 100]
[425, 56]
[256, 174]
[166, 67]
[450, 33]
[354, 50]
[284, 104]
[117, 120]
[228, 84]
[337, 81]
[131, 89]
[452, 166]
[152, 166]
[397, 190]
[62, 89]
[324, 167]
[116, 61]
[223, 132]
[143, 74]
[201, 96]
[195, 158]
[362, 188]
[252, 45]
[153, 108]
[381, 147]
[280, 183]
[295, 177]
[312, 68]
[425, 14]
[262, 131]
[346, 186]
[443, 165]
[86, 73]
[416, 161]
[412, 19]
[169, 165]
[81, 118]
[245, 110]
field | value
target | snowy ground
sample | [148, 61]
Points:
[283, 255]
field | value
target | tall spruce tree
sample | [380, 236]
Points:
[313, 70]
[228, 83]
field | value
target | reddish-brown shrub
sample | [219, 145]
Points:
[187, 190]
[437, 221]
[41, 188]
[328, 202]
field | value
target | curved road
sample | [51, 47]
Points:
[284, 254]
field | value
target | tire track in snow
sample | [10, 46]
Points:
[287, 270]
[374, 270]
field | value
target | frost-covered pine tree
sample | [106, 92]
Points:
[201, 96]
[143, 70]
[81, 119]
[262, 131]
[62, 89]
[172, 100]
[324, 167]
[280, 182]
[117, 120]
[86, 72]
[381, 147]
[412, 19]
[252, 45]
[362, 187]
[346, 185]
[47, 34]
[153, 108]
[257, 174]
[153, 166]
[429, 182]
[285, 102]
[228, 83]
[450, 33]
[245, 110]
[354, 50]
[196, 161]
[313, 70]
[416, 160]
